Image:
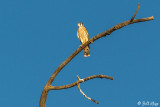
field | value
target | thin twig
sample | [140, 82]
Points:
[78, 85]
[135, 12]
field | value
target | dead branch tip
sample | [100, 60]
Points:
[135, 12]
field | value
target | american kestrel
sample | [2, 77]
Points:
[83, 36]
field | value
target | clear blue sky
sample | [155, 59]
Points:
[36, 36]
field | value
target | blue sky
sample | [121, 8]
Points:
[36, 36]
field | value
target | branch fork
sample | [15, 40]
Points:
[78, 85]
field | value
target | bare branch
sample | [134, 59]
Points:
[78, 85]
[48, 86]
[135, 13]
[107, 32]
[79, 81]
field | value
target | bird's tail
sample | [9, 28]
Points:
[86, 51]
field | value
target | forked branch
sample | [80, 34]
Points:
[78, 85]
[78, 82]
[48, 86]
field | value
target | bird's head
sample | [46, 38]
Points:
[80, 24]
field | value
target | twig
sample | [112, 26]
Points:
[78, 85]
[135, 13]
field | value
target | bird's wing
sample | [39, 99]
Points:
[86, 33]
[78, 34]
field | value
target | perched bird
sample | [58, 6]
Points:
[83, 36]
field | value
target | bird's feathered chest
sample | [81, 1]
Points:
[82, 34]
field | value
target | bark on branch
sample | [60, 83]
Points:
[48, 86]
[79, 81]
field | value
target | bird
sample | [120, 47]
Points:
[83, 36]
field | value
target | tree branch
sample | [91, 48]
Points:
[78, 85]
[135, 13]
[48, 86]
[79, 81]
